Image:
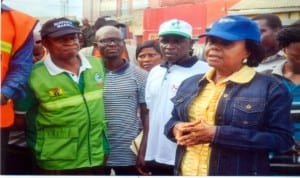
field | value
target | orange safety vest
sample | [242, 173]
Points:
[15, 30]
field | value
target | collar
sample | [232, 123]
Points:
[187, 63]
[122, 68]
[279, 68]
[244, 75]
[280, 54]
[55, 70]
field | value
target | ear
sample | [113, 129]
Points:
[191, 43]
[95, 45]
[284, 50]
[44, 43]
[247, 54]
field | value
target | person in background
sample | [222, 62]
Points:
[129, 50]
[16, 56]
[124, 94]
[162, 84]
[66, 126]
[148, 54]
[19, 158]
[87, 33]
[269, 25]
[227, 120]
[288, 72]
[39, 51]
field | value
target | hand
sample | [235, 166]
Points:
[193, 133]
[144, 171]
[296, 147]
[4, 99]
[141, 167]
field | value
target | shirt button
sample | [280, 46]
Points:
[225, 95]
[248, 106]
[245, 122]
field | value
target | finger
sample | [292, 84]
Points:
[145, 173]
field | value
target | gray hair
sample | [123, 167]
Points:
[99, 33]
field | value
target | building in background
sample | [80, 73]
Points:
[287, 10]
[143, 17]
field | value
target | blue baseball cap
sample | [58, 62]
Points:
[234, 28]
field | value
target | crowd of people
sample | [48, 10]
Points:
[73, 98]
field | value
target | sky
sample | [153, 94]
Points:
[47, 8]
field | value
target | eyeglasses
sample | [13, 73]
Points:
[108, 41]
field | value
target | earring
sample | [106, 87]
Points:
[245, 61]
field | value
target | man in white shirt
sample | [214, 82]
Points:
[162, 83]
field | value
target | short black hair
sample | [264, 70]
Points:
[289, 34]
[148, 44]
[273, 20]
[257, 53]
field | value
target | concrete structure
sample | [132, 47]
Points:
[143, 17]
[287, 10]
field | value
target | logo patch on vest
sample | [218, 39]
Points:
[98, 79]
[56, 92]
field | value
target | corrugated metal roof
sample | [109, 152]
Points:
[246, 7]
[265, 4]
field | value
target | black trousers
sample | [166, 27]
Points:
[4, 132]
[121, 170]
[19, 161]
[98, 170]
[159, 169]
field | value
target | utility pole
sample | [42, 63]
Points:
[65, 5]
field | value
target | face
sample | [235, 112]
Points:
[111, 44]
[85, 21]
[148, 58]
[38, 52]
[268, 35]
[293, 55]
[225, 56]
[63, 47]
[175, 48]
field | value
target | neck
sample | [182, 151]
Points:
[271, 52]
[113, 64]
[178, 62]
[292, 73]
[71, 64]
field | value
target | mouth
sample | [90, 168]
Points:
[112, 50]
[213, 57]
[147, 66]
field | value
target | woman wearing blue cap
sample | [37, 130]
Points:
[227, 120]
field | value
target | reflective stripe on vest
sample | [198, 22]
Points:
[6, 47]
[72, 101]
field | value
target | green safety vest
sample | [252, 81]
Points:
[67, 127]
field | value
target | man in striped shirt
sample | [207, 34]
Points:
[124, 94]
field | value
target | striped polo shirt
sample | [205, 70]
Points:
[124, 90]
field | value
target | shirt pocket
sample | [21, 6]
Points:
[248, 113]
[179, 98]
[60, 143]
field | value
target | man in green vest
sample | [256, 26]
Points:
[66, 126]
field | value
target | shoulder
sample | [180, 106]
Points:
[193, 78]
[38, 65]
[137, 70]
[201, 65]
[88, 51]
[269, 81]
